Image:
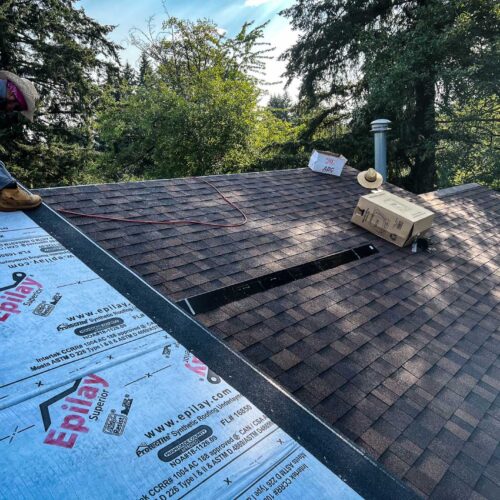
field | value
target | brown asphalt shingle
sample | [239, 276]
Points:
[398, 351]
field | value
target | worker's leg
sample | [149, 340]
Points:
[12, 197]
[6, 180]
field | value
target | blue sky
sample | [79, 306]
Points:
[229, 15]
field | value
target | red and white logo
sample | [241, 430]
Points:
[197, 366]
[76, 409]
[14, 294]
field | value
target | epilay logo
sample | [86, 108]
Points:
[75, 409]
[15, 293]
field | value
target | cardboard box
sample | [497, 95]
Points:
[327, 163]
[392, 218]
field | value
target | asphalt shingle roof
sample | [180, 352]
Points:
[398, 351]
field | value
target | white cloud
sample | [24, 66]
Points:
[255, 3]
[281, 36]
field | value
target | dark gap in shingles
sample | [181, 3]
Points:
[209, 301]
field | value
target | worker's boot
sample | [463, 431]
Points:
[12, 199]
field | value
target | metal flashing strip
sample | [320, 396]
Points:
[206, 302]
[368, 478]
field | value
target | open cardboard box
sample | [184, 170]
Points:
[326, 162]
[392, 218]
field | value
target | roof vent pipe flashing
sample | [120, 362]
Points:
[379, 129]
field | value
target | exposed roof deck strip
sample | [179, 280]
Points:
[209, 301]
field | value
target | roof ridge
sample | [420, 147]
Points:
[173, 178]
[450, 191]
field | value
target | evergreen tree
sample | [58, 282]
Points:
[280, 105]
[145, 69]
[128, 75]
[64, 53]
[416, 62]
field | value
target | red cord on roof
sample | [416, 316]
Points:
[171, 221]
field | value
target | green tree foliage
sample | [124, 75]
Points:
[280, 105]
[183, 49]
[145, 69]
[469, 149]
[428, 65]
[128, 75]
[156, 132]
[63, 52]
[196, 113]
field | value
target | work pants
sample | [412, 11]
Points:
[5, 178]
